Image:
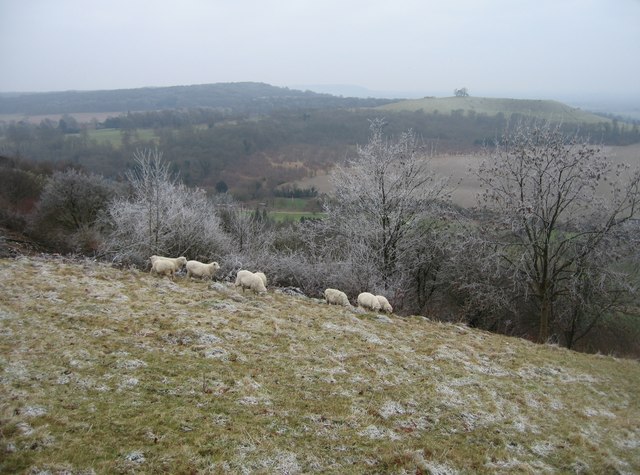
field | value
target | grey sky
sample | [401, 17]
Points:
[518, 48]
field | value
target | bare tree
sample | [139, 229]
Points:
[597, 289]
[162, 216]
[560, 207]
[385, 200]
[152, 185]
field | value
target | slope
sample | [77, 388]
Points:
[113, 370]
[539, 109]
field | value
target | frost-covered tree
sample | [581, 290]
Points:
[251, 237]
[385, 202]
[560, 208]
[161, 216]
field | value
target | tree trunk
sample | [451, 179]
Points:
[545, 317]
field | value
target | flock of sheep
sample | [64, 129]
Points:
[366, 300]
[258, 281]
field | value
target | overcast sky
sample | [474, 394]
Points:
[517, 48]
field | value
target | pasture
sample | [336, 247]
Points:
[539, 109]
[462, 169]
[109, 370]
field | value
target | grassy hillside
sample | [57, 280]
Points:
[540, 109]
[116, 371]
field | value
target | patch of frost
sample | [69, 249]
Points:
[135, 457]
[391, 408]
[376, 433]
[33, 411]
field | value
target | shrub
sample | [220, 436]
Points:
[161, 216]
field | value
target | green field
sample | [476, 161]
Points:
[293, 209]
[290, 204]
[540, 109]
[287, 216]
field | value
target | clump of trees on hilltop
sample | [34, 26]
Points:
[550, 252]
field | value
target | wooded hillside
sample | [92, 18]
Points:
[245, 97]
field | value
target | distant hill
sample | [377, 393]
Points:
[540, 109]
[352, 90]
[109, 370]
[260, 98]
[241, 97]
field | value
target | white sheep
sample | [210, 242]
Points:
[199, 269]
[249, 280]
[385, 306]
[368, 301]
[262, 276]
[336, 297]
[167, 265]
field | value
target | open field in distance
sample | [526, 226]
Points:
[461, 169]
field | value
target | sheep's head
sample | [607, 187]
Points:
[182, 260]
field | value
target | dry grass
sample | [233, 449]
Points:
[106, 370]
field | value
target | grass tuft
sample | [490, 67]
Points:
[115, 371]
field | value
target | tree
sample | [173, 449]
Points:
[249, 231]
[462, 92]
[19, 135]
[554, 231]
[73, 200]
[67, 213]
[595, 290]
[161, 216]
[386, 200]
[221, 187]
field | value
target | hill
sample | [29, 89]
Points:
[540, 109]
[240, 97]
[114, 370]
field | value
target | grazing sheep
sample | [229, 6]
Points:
[336, 297]
[249, 280]
[178, 261]
[166, 265]
[368, 301]
[262, 276]
[199, 269]
[385, 306]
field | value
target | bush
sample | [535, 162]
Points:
[66, 216]
[161, 216]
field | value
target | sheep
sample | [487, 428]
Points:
[336, 297]
[368, 301]
[385, 306]
[249, 280]
[167, 265]
[199, 269]
[179, 261]
[262, 276]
